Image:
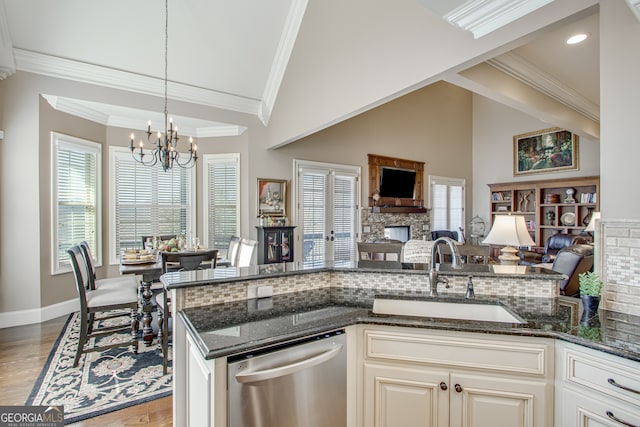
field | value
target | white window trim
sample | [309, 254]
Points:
[113, 257]
[58, 139]
[324, 168]
[206, 159]
[448, 181]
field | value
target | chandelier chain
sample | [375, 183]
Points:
[166, 148]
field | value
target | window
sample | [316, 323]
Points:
[447, 204]
[76, 183]
[147, 201]
[221, 199]
[327, 199]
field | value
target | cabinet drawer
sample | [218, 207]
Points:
[603, 373]
[579, 409]
[469, 350]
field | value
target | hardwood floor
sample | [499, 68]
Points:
[23, 352]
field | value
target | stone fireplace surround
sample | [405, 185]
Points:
[373, 224]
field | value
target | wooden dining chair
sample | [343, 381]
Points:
[104, 300]
[95, 283]
[417, 251]
[182, 261]
[231, 256]
[178, 261]
[245, 252]
[379, 255]
[470, 254]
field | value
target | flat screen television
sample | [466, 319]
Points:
[397, 183]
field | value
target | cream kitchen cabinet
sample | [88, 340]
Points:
[595, 388]
[438, 378]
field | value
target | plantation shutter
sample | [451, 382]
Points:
[314, 219]
[222, 200]
[76, 193]
[344, 217]
[149, 201]
[327, 201]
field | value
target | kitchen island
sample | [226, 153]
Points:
[308, 300]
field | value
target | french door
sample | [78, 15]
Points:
[327, 211]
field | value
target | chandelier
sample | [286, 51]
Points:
[166, 147]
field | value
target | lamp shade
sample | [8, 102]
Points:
[591, 227]
[509, 230]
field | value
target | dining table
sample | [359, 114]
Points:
[150, 272]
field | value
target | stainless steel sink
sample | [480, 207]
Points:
[445, 310]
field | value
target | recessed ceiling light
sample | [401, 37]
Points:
[577, 38]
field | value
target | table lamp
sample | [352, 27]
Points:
[591, 227]
[511, 231]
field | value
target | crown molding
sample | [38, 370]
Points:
[102, 76]
[121, 119]
[281, 59]
[635, 7]
[484, 16]
[519, 68]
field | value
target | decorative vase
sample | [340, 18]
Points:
[590, 304]
[551, 217]
[587, 217]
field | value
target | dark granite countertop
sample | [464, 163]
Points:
[182, 279]
[231, 328]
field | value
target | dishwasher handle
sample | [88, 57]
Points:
[281, 371]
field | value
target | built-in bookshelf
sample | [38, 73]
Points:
[548, 206]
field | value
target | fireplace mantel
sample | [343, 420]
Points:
[397, 209]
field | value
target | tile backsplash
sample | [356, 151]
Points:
[617, 247]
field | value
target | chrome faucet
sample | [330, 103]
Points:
[434, 279]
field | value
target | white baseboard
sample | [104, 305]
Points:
[38, 315]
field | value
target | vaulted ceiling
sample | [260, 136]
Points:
[233, 55]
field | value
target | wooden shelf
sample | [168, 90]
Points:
[527, 198]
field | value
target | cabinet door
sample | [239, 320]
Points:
[271, 243]
[286, 245]
[199, 386]
[484, 400]
[401, 396]
[580, 410]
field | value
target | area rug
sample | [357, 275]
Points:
[103, 381]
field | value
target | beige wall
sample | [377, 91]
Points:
[59, 287]
[432, 125]
[19, 192]
[494, 126]
[619, 94]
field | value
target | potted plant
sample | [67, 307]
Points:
[590, 291]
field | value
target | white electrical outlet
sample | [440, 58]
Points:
[265, 291]
[259, 291]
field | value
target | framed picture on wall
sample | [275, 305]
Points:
[272, 196]
[548, 150]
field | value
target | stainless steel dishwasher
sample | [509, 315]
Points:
[300, 384]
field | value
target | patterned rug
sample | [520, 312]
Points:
[103, 381]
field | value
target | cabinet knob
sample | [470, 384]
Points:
[458, 388]
[443, 385]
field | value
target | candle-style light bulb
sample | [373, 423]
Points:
[149, 126]
[132, 138]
